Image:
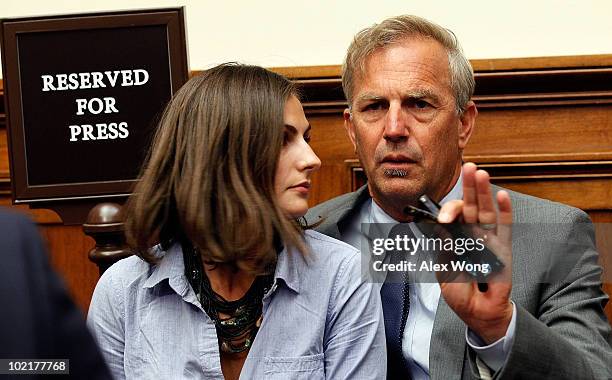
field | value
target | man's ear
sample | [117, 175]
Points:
[466, 124]
[350, 127]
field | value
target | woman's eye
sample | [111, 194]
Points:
[307, 138]
[285, 138]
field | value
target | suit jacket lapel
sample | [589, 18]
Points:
[333, 222]
[447, 346]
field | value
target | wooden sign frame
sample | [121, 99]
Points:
[34, 176]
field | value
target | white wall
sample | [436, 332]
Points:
[317, 32]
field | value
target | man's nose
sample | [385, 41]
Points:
[396, 129]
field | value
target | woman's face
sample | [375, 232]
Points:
[296, 163]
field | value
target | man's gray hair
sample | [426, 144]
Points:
[396, 29]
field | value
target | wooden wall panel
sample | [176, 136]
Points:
[542, 134]
[585, 193]
[4, 163]
[69, 247]
[329, 136]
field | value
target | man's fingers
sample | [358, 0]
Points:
[504, 218]
[450, 211]
[470, 194]
[486, 208]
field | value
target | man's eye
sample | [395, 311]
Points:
[420, 104]
[307, 138]
[373, 107]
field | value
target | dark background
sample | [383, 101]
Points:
[47, 115]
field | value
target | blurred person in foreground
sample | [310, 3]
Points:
[235, 287]
[39, 319]
[409, 117]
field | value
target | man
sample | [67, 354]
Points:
[39, 320]
[410, 116]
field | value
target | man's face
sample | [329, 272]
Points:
[404, 124]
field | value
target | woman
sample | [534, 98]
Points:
[235, 288]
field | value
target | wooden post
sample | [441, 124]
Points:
[105, 225]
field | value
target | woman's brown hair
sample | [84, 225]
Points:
[209, 175]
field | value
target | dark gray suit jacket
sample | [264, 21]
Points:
[39, 320]
[561, 328]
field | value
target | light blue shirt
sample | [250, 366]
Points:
[321, 320]
[424, 299]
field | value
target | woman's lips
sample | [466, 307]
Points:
[302, 188]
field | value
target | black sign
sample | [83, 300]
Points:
[83, 95]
